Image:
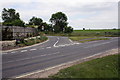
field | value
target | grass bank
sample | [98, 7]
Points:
[106, 67]
[83, 39]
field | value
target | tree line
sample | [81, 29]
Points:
[58, 21]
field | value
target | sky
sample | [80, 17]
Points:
[89, 14]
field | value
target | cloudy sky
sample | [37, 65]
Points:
[93, 14]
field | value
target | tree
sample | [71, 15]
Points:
[83, 28]
[68, 29]
[45, 26]
[59, 21]
[9, 15]
[35, 21]
[18, 22]
[11, 18]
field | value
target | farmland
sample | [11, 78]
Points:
[90, 33]
[104, 32]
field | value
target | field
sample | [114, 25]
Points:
[106, 67]
[105, 32]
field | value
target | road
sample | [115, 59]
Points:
[56, 51]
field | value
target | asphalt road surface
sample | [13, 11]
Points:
[56, 51]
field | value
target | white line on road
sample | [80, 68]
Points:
[33, 49]
[94, 45]
[48, 47]
[66, 45]
[23, 50]
[43, 55]
[76, 43]
[56, 42]
[14, 52]
[56, 53]
[31, 57]
[70, 40]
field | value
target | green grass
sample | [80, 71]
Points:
[106, 67]
[104, 32]
[94, 39]
[81, 39]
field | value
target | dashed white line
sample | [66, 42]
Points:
[32, 57]
[48, 47]
[33, 49]
[43, 55]
[23, 50]
[14, 52]
[56, 53]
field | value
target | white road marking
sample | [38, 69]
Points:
[56, 42]
[48, 47]
[14, 52]
[31, 57]
[56, 53]
[33, 49]
[43, 55]
[66, 45]
[72, 43]
[23, 50]
[76, 43]
[70, 40]
[94, 45]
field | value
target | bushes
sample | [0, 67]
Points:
[68, 29]
[31, 41]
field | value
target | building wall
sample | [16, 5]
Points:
[20, 31]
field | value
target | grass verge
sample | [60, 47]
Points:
[87, 39]
[106, 67]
